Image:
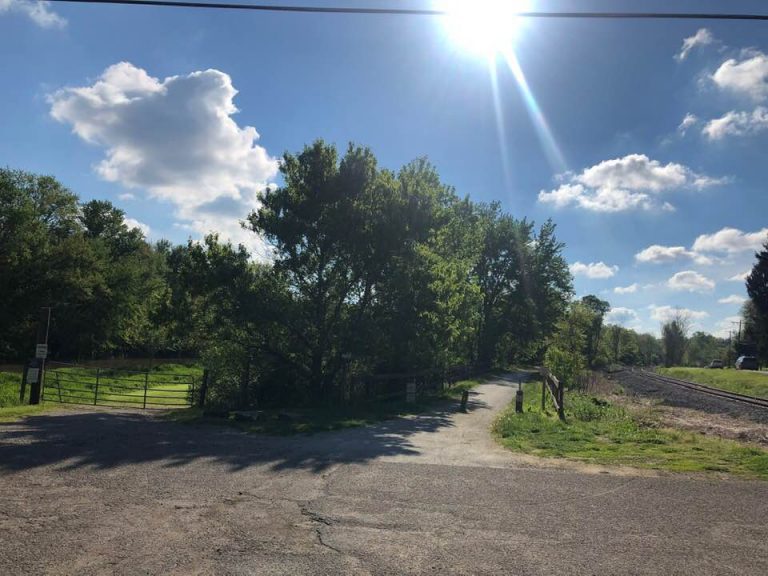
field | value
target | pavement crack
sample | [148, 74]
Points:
[319, 521]
[314, 516]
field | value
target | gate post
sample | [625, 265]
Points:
[23, 390]
[203, 388]
[96, 389]
[146, 384]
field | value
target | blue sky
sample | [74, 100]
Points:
[644, 141]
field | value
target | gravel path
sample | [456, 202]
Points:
[96, 492]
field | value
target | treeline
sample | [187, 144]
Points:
[372, 271]
[755, 310]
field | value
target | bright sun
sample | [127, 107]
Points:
[484, 27]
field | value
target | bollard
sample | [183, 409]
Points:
[519, 401]
[464, 399]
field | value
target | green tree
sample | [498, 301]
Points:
[674, 336]
[757, 289]
[38, 217]
[599, 309]
[566, 354]
[334, 227]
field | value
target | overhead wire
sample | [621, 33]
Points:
[293, 8]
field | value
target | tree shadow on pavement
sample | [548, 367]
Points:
[108, 439]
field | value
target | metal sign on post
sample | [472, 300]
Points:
[41, 351]
[33, 375]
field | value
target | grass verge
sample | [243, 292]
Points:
[739, 381]
[323, 419]
[168, 385]
[600, 432]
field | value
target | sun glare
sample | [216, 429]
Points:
[484, 27]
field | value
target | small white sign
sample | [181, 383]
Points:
[32, 375]
[41, 351]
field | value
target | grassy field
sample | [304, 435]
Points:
[599, 432]
[290, 421]
[740, 381]
[168, 385]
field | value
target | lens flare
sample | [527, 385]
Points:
[540, 124]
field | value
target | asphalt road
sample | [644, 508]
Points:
[96, 492]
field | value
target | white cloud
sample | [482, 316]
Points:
[631, 289]
[657, 254]
[39, 12]
[622, 184]
[690, 281]
[687, 122]
[703, 37]
[175, 138]
[732, 299]
[737, 124]
[622, 316]
[731, 241]
[126, 196]
[665, 313]
[739, 277]
[593, 270]
[133, 223]
[748, 77]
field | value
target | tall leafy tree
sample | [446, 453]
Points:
[674, 337]
[599, 309]
[757, 289]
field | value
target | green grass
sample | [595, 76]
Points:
[325, 418]
[598, 432]
[10, 383]
[167, 386]
[740, 381]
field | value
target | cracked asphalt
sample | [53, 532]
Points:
[97, 492]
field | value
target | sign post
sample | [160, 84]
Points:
[37, 369]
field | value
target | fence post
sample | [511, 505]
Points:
[561, 406]
[58, 385]
[543, 392]
[146, 385]
[96, 390]
[203, 388]
[191, 390]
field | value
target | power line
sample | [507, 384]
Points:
[423, 11]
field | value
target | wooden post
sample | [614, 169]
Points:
[543, 392]
[146, 385]
[203, 389]
[560, 405]
[58, 385]
[464, 399]
[96, 389]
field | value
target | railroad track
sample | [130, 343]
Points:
[752, 400]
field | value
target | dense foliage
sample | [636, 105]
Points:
[372, 271]
[755, 312]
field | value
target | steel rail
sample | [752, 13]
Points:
[720, 393]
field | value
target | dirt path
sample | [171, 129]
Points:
[96, 492]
